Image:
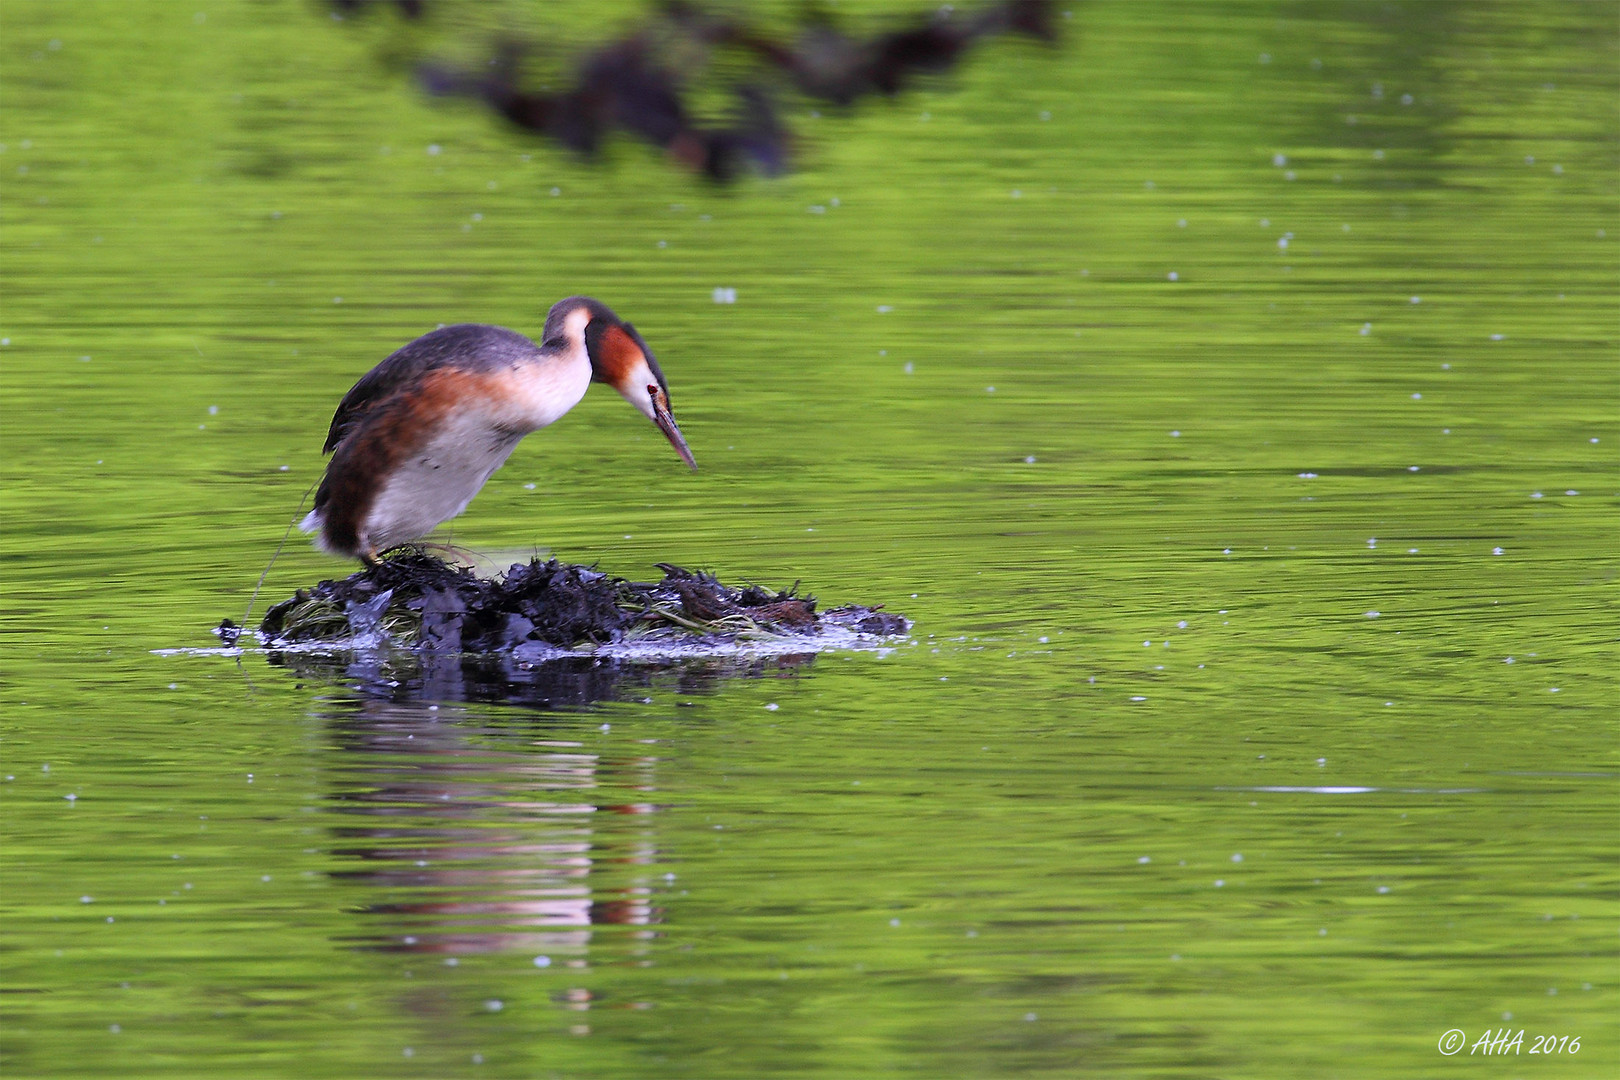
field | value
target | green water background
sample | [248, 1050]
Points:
[1230, 395]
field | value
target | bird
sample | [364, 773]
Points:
[417, 437]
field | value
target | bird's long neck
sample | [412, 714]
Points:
[541, 389]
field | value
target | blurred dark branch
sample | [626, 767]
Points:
[411, 9]
[638, 84]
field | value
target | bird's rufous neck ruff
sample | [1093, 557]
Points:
[619, 357]
[507, 403]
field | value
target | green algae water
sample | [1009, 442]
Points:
[1229, 394]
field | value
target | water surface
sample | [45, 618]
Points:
[1229, 395]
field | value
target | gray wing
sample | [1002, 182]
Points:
[468, 347]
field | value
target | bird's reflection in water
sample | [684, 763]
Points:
[478, 829]
[484, 848]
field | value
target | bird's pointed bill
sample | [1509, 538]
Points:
[666, 423]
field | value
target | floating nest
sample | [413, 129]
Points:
[538, 610]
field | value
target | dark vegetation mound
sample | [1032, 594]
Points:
[417, 600]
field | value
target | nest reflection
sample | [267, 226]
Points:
[403, 676]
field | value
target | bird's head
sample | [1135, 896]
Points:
[620, 358]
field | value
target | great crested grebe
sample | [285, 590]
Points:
[421, 432]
